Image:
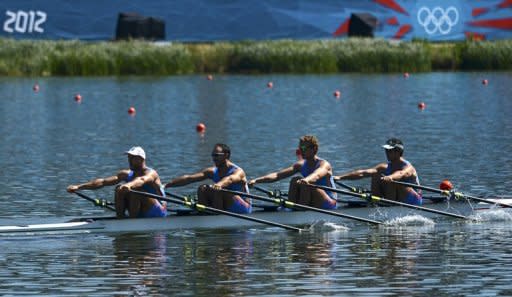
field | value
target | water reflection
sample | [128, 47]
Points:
[142, 258]
[393, 255]
[217, 270]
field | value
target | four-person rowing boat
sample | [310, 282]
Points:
[140, 202]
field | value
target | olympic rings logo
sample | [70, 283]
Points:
[438, 19]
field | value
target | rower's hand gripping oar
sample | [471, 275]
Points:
[97, 202]
[178, 199]
[372, 198]
[451, 193]
[292, 205]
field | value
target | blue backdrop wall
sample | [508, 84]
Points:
[213, 20]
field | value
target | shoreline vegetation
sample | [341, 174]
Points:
[81, 58]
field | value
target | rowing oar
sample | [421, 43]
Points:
[290, 204]
[368, 196]
[350, 188]
[457, 195]
[199, 207]
[275, 193]
[363, 191]
[97, 202]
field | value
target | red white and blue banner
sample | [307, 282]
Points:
[214, 20]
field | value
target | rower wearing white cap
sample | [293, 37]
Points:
[396, 168]
[137, 177]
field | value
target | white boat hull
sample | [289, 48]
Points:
[203, 221]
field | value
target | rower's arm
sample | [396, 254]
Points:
[360, 173]
[406, 172]
[275, 176]
[99, 182]
[189, 178]
[139, 181]
[319, 173]
[236, 177]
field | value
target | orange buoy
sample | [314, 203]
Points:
[485, 82]
[78, 98]
[35, 88]
[446, 185]
[200, 128]
[422, 105]
[270, 85]
[337, 94]
[131, 110]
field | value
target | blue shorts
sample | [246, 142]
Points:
[239, 207]
[414, 198]
[329, 204]
[156, 211]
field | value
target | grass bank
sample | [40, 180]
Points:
[47, 58]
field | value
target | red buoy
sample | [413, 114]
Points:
[270, 85]
[337, 94]
[35, 88]
[131, 110]
[485, 82]
[446, 185]
[200, 128]
[78, 98]
[422, 105]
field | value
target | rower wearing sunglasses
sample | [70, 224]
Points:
[395, 169]
[314, 170]
[225, 175]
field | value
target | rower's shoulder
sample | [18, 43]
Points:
[123, 172]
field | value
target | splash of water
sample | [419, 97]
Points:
[410, 220]
[493, 215]
[329, 226]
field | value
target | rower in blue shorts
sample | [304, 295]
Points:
[313, 170]
[395, 169]
[138, 177]
[225, 175]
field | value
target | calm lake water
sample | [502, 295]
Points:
[49, 141]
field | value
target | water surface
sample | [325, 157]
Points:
[50, 141]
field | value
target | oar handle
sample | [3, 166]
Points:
[292, 205]
[184, 201]
[97, 202]
[379, 199]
